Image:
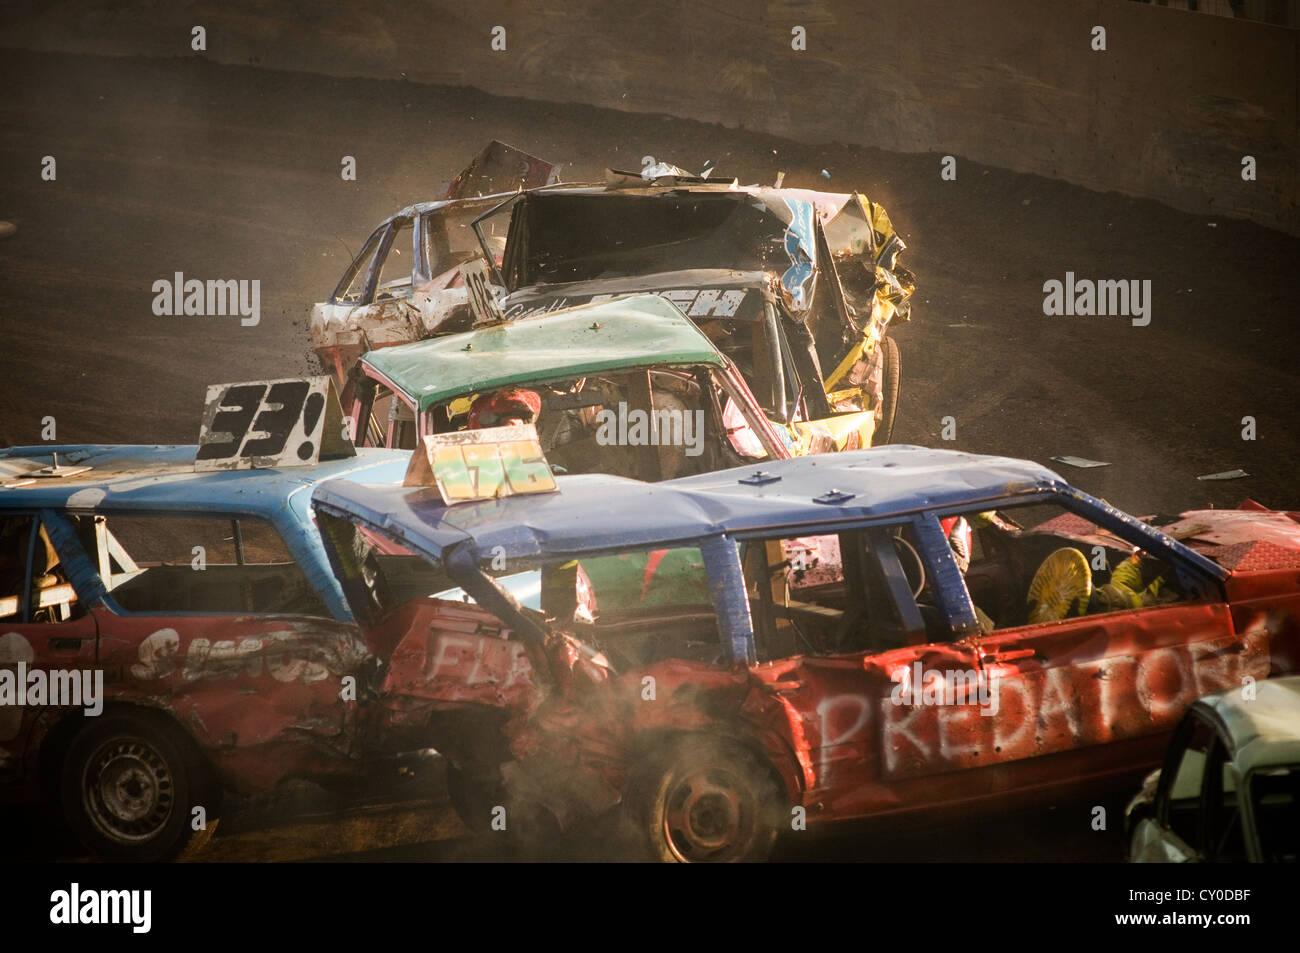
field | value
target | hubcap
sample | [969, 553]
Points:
[128, 790]
[708, 816]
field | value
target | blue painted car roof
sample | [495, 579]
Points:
[592, 513]
[142, 477]
[162, 480]
[596, 512]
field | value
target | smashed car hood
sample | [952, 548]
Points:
[1242, 540]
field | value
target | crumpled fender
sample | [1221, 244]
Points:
[583, 743]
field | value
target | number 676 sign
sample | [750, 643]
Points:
[481, 464]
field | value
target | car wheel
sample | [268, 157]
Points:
[129, 784]
[474, 796]
[890, 374]
[706, 800]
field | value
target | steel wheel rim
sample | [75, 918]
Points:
[127, 790]
[709, 815]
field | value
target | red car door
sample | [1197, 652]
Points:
[1109, 687]
[874, 731]
[47, 641]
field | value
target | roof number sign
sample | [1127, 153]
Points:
[279, 423]
[482, 464]
[478, 283]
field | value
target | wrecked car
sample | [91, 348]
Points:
[797, 287]
[985, 632]
[170, 627]
[1229, 788]
[629, 387]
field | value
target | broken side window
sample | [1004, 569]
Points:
[1029, 564]
[395, 271]
[385, 418]
[15, 544]
[33, 584]
[797, 594]
[376, 573]
[751, 340]
[449, 239]
[1275, 804]
[828, 594]
[1223, 837]
[351, 290]
[169, 564]
[638, 606]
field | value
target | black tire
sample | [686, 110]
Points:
[474, 797]
[530, 831]
[128, 785]
[891, 372]
[705, 800]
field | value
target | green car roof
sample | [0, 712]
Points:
[621, 334]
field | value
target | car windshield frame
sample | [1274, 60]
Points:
[512, 276]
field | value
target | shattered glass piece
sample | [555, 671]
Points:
[1225, 475]
[1080, 462]
[660, 169]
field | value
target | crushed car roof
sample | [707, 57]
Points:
[787, 204]
[144, 477]
[475, 204]
[1265, 729]
[627, 332]
[594, 512]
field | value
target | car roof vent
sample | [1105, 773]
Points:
[56, 469]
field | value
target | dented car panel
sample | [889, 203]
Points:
[404, 284]
[259, 693]
[921, 707]
[632, 332]
[262, 698]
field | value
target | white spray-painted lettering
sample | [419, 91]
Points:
[1040, 710]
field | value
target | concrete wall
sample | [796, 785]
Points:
[1167, 111]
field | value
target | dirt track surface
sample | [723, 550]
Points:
[228, 172]
[412, 820]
